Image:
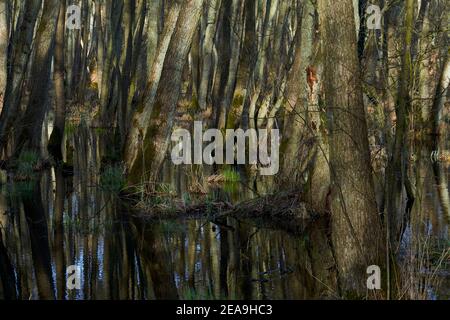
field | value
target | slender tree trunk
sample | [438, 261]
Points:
[108, 98]
[56, 139]
[296, 124]
[100, 45]
[397, 167]
[230, 85]
[20, 55]
[154, 7]
[249, 43]
[4, 38]
[223, 55]
[439, 134]
[126, 65]
[207, 49]
[440, 99]
[258, 78]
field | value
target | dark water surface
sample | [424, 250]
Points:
[53, 222]
[121, 256]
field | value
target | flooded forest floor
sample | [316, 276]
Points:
[197, 235]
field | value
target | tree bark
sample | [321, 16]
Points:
[225, 102]
[439, 134]
[356, 229]
[397, 167]
[142, 115]
[20, 55]
[31, 132]
[155, 141]
[56, 138]
[207, 49]
[4, 39]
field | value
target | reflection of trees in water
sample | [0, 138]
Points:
[6, 273]
[40, 248]
[124, 257]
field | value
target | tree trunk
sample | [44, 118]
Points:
[142, 115]
[31, 133]
[20, 55]
[155, 141]
[56, 139]
[4, 38]
[40, 248]
[225, 102]
[439, 134]
[356, 229]
[207, 48]
[296, 130]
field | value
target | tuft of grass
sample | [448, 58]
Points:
[230, 175]
[231, 187]
[27, 162]
[165, 188]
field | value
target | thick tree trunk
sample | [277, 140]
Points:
[356, 227]
[20, 55]
[31, 133]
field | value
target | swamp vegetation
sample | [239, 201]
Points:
[91, 92]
